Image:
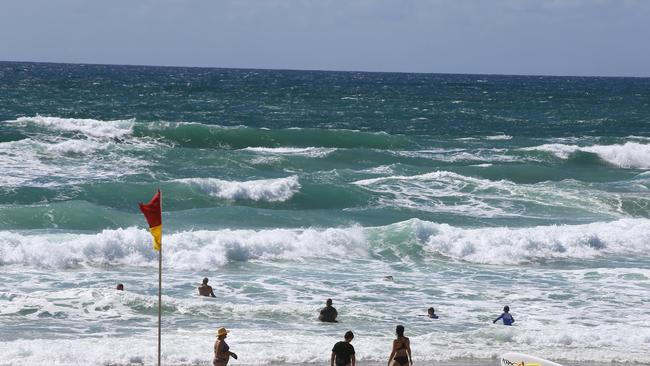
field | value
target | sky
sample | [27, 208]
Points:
[529, 37]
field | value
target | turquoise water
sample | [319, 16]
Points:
[288, 187]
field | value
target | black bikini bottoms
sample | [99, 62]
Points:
[402, 360]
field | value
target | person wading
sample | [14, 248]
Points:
[222, 352]
[401, 354]
[343, 352]
[328, 313]
[205, 289]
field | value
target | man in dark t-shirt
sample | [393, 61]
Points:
[328, 313]
[343, 352]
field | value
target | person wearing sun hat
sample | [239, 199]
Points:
[222, 352]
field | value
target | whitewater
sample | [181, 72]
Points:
[389, 193]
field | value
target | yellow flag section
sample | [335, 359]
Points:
[152, 211]
[156, 232]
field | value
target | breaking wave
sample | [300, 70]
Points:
[627, 155]
[503, 245]
[312, 152]
[270, 190]
[88, 127]
[414, 238]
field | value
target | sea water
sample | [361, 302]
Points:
[286, 188]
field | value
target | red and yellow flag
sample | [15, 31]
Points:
[153, 213]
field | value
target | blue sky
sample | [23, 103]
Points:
[549, 37]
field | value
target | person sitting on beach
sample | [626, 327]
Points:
[432, 313]
[507, 318]
[222, 352]
[205, 289]
[120, 287]
[328, 313]
[401, 354]
[343, 351]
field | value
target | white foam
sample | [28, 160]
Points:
[270, 190]
[76, 147]
[184, 250]
[201, 250]
[466, 139]
[92, 150]
[562, 151]
[639, 138]
[504, 245]
[42, 164]
[89, 127]
[313, 152]
[627, 155]
[20, 163]
[78, 303]
[462, 155]
[444, 191]
[268, 346]
[499, 137]
[382, 169]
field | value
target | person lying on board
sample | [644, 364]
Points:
[431, 313]
[506, 317]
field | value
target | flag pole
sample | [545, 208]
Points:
[159, 298]
[160, 283]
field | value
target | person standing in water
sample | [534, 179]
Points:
[205, 289]
[401, 354]
[222, 352]
[507, 318]
[328, 313]
[343, 352]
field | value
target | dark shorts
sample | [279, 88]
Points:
[402, 360]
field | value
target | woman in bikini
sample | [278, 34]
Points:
[401, 354]
[222, 352]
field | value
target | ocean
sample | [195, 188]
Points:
[286, 188]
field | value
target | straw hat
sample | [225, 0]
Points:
[222, 332]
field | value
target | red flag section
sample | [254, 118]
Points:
[153, 213]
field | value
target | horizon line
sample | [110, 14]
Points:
[318, 70]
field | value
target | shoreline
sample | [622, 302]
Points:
[459, 362]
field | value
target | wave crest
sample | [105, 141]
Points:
[503, 245]
[627, 155]
[312, 152]
[409, 240]
[89, 127]
[269, 190]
